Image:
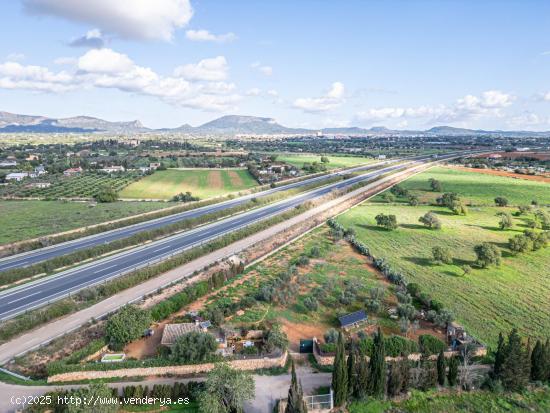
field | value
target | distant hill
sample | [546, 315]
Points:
[226, 125]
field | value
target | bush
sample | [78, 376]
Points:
[193, 347]
[396, 346]
[501, 201]
[487, 254]
[315, 252]
[430, 345]
[126, 325]
[430, 220]
[303, 260]
[442, 255]
[311, 303]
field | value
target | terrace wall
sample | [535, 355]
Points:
[245, 364]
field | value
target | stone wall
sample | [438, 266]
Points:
[328, 360]
[188, 369]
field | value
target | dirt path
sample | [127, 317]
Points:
[537, 178]
[297, 331]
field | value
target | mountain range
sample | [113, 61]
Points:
[225, 125]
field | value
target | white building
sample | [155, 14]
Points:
[17, 176]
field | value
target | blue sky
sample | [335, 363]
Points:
[402, 64]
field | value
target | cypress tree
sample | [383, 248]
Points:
[516, 365]
[499, 357]
[340, 373]
[395, 379]
[452, 374]
[538, 362]
[547, 360]
[296, 402]
[377, 367]
[361, 377]
[351, 373]
[441, 368]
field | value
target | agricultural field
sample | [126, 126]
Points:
[202, 183]
[335, 161]
[477, 188]
[486, 301]
[86, 185]
[22, 220]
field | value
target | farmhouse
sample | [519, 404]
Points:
[352, 320]
[114, 168]
[72, 171]
[17, 176]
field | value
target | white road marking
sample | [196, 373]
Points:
[106, 268]
[22, 298]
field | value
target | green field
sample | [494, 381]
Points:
[473, 402]
[478, 188]
[22, 220]
[487, 301]
[298, 160]
[204, 183]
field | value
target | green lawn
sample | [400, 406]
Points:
[487, 301]
[478, 188]
[22, 220]
[473, 402]
[204, 183]
[298, 160]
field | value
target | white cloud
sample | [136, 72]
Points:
[15, 57]
[264, 69]
[200, 88]
[489, 103]
[528, 120]
[104, 61]
[206, 36]
[132, 19]
[273, 93]
[92, 39]
[213, 69]
[546, 96]
[331, 100]
[13, 75]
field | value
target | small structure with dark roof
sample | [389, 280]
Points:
[353, 319]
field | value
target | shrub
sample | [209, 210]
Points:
[430, 220]
[501, 201]
[193, 347]
[487, 254]
[397, 345]
[311, 303]
[430, 345]
[126, 325]
[442, 255]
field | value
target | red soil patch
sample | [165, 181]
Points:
[215, 179]
[235, 178]
[537, 178]
[297, 331]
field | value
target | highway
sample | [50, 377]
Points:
[17, 300]
[38, 293]
[47, 253]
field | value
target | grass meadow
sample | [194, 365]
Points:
[204, 183]
[22, 220]
[486, 301]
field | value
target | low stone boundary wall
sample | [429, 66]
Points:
[188, 369]
[327, 360]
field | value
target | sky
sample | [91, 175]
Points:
[400, 64]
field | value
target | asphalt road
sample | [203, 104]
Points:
[35, 294]
[43, 254]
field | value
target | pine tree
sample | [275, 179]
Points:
[516, 365]
[441, 368]
[361, 377]
[499, 357]
[296, 402]
[351, 373]
[377, 367]
[452, 374]
[340, 373]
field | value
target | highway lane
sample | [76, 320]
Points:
[43, 254]
[32, 295]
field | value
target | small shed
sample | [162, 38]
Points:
[353, 319]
